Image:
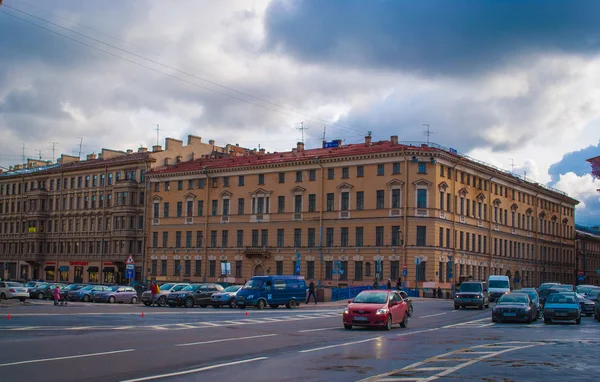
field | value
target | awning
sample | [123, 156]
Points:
[92, 269]
[108, 269]
[49, 268]
[63, 268]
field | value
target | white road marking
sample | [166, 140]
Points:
[417, 332]
[433, 315]
[210, 324]
[338, 345]
[226, 339]
[318, 330]
[467, 324]
[178, 312]
[211, 367]
[66, 357]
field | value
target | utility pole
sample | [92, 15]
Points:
[427, 133]
[39, 154]
[157, 131]
[80, 145]
[23, 153]
[302, 128]
[53, 149]
[512, 165]
[324, 133]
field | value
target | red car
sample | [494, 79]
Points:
[376, 308]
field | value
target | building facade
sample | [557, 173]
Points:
[79, 221]
[588, 256]
[347, 215]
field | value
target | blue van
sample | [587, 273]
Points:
[261, 291]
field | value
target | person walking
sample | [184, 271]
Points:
[389, 284]
[376, 283]
[434, 292]
[154, 291]
[439, 293]
[311, 292]
[56, 295]
[399, 284]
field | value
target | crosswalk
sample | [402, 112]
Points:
[181, 326]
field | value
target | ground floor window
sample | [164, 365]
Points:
[109, 277]
[64, 275]
[78, 277]
[50, 275]
[93, 277]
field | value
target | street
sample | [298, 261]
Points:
[95, 342]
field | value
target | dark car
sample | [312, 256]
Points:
[544, 293]
[226, 297]
[514, 307]
[586, 305]
[117, 294]
[192, 295]
[472, 293]
[86, 293]
[533, 295]
[64, 293]
[45, 291]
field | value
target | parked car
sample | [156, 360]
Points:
[593, 294]
[86, 293]
[533, 295]
[117, 293]
[195, 294]
[472, 293]
[584, 289]
[225, 297]
[33, 284]
[64, 293]
[11, 289]
[587, 306]
[544, 293]
[408, 300]
[165, 289]
[45, 291]
[514, 307]
[498, 286]
[33, 290]
[274, 291]
[376, 308]
[562, 306]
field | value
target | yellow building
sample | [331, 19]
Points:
[369, 210]
[79, 221]
[588, 256]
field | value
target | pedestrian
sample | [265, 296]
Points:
[56, 295]
[389, 284]
[439, 290]
[376, 283]
[154, 291]
[311, 292]
[434, 292]
[399, 284]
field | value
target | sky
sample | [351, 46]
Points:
[512, 83]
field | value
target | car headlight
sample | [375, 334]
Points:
[457, 296]
[381, 311]
[346, 310]
[478, 296]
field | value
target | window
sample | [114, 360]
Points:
[344, 273]
[264, 237]
[360, 200]
[311, 237]
[360, 171]
[380, 199]
[154, 239]
[240, 206]
[298, 176]
[379, 236]
[212, 268]
[312, 175]
[330, 173]
[422, 169]
[344, 236]
[188, 239]
[396, 240]
[225, 238]
[329, 237]
[189, 210]
[280, 237]
[442, 170]
[279, 267]
[396, 198]
[238, 268]
[177, 268]
[396, 168]
[201, 183]
[200, 207]
[180, 185]
[178, 239]
[394, 269]
[281, 204]
[255, 238]
[198, 268]
[358, 270]
[167, 184]
[312, 202]
[179, 209]
[421, 235]
[154, 267]
[213, 239]
[328, 270]
[282, 177]
[240, 180]
[345, 172]
[359, 231]
[297, 237]
[165, 240]
[421, 198]
[310, 269]
[441, 239]
[163, 267]
[165, 209]
[330, 206]
[345, 201]
[214, 207]
[261, 179]
[380, 169]
[447, 237]
[225, 181]
[297, 203]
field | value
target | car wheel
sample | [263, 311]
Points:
[404, 322]
[233, 303]
[347, 327]
[162, 301]
[410, 311]
[134, 300]
[261, 304]
[388, 323]
[112, 299]
[291, 305]
[86, 298]
[481, 306]
[578, 321]
[274, 306]
[147, 303]
[3, 296]
[189, 302]
[547, 321]
[41, 296]
[494, 320]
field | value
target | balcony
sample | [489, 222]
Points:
[259, 218]
[127, 184]
[257, 252]
[37, 192]
[126, 233]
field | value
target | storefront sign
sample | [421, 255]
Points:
[108, 264]
[78, 263]
[50, 262]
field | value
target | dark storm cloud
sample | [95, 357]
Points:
[459, 37]
[575, 162]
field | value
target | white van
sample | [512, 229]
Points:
[497, 286]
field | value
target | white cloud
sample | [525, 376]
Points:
[585, 189]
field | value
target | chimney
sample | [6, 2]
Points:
[129, 151]
[167, 161]
[91, 156]
[394, 140]
[261, 152]
[294, 152]
[143, 150]
[300, 146]
[18, 167]
[368, 140]
[211, 142]
[178, 159]
[339, 141]
[156, 148]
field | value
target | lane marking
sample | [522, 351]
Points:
[467, 323]
[417, 332]
[210, 324]
[433, 315]
[150, 312]
[200, 369]
[65, 357]
[226, 340]
[318, 330]
[338, 345]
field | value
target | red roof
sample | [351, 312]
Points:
[286, 157]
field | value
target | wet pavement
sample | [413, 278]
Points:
[115, 343]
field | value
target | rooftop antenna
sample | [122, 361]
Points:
[53, 149]
[324, 133]
[23, 153]
[512, 165]
[157, 131]
[302, 128]
[427, 132]
[525, 174]
[39, 154]
[80, 145]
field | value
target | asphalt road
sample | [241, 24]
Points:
[88, 342]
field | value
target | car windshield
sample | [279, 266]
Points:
[502, 284]
[593, 293]
[14, 285]
[371, 298]
[31, 284]
[470, 287]
[513, 298]
[167, 286]
[531, 293]
[583, 289]
[233, 288]
[189, 288]
[561, 298]
[87, 287]
[580, 296]
[112, 288]
[253, 284]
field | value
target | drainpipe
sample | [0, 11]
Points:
[206, 215]
[489, 203]
[405, 216]
[320, 221]
[537, 248]
[453, 201]
[146, 227]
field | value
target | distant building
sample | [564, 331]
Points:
[588, 255]
[79, 221]
[595, 162]
[347, 214]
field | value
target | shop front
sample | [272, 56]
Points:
[109, 273]
[49, 271]
[78, 270]
[63, 273]
[93, 274]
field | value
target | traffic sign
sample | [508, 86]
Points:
[129, 266]
[417, 260]
[580, 278]
[130, 274]
[404, 267]
[581, 273]
[130, 260]
[404, 272]
[298, 269]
